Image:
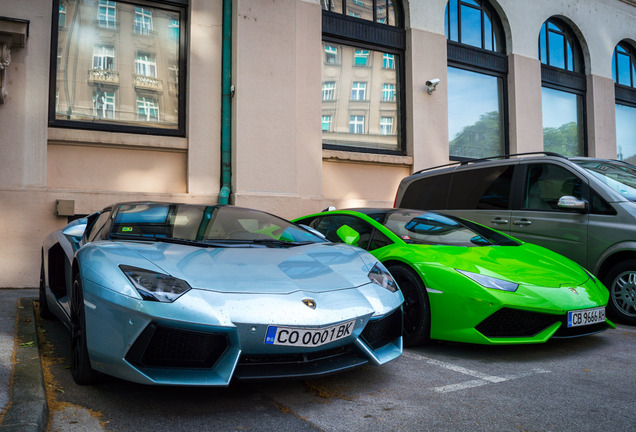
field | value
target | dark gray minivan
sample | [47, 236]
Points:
[582, 208]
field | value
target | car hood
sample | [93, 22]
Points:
[312, 268]
[526, 264]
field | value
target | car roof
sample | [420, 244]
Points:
[516, 157]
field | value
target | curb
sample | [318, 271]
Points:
[28, 410]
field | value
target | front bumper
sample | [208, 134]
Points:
[209, 339]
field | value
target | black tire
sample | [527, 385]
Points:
[417, 311]
[621, 283]
[45, 312]
[81, 368]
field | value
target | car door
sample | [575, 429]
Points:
[483, 195]
[537, 218]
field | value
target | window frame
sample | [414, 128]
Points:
[103, 21]
[358, 33]
[625, 95]
[178, 6]
[562, 79]
[483, 61]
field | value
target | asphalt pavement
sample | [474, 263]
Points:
[582, 384]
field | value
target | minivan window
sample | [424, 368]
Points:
[619, 176]
[428, 193]
[546, 183]
[484, 189]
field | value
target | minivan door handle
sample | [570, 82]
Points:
[499, 221]
[522, 222]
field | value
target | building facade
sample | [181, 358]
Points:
[290, 106]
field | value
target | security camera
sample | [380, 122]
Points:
[432, 85]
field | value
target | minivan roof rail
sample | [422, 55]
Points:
[506, 156]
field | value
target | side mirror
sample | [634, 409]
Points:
[348, 235]
[571, 203]
[75, 229]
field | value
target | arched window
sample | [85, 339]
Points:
[624, 74]
[363, 76]
[477, 69]
[563, 89]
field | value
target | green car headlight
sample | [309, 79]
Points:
[490, 282]
[155, 286]
[379, 275]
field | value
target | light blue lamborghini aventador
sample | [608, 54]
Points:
[180, 294]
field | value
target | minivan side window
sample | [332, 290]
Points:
[428, 193]
[546, 183]
[484, 189]
[599, 206]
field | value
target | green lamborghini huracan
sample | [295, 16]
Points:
[465, 282]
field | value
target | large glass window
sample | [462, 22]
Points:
[475, 123]
[477, 69]
[626, 133]
[361, 75]
[563, 89]
[624, 73]
[562, 122]
[134, 55]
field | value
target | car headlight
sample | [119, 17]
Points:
[490, 282]
[155, 286]
[380, 275]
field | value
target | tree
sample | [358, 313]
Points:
[482, 139]
[564, 139]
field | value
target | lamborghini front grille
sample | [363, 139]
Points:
[160, 346]
[508, 322]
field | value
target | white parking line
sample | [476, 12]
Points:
[482, 379]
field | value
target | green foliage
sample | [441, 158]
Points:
[482, 139]
[564, 140]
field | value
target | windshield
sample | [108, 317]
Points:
[617, 175]
[205, 224]
[415, 226]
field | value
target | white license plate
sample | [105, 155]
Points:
[586, 317]
[308, 337]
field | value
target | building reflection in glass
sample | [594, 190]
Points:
[117, 63]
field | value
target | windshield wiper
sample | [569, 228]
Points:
[154, 238]
[274, 242]
[260, 242]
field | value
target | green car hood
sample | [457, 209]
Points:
[526, 264]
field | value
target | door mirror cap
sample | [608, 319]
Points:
[76, 228]
[572, 203]
[348, 235]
